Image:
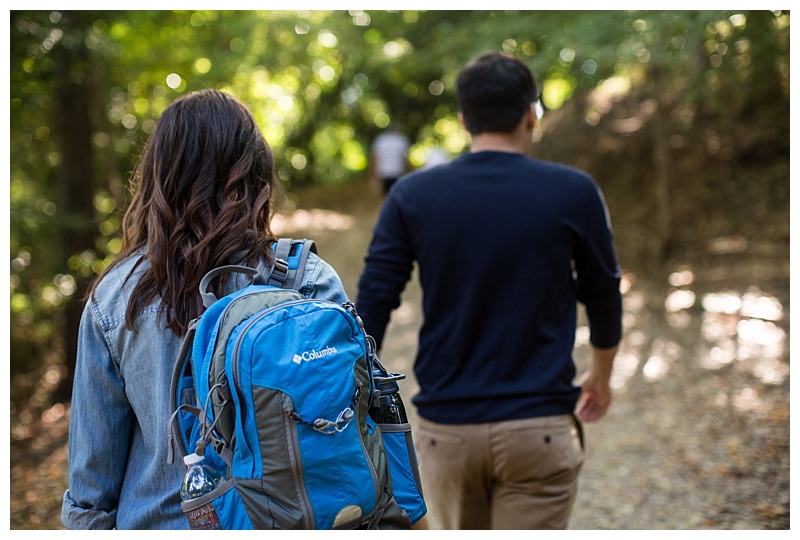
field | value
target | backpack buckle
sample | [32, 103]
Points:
[280, 271]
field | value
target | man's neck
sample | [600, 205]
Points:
[500, 142]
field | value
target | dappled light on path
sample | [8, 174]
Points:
[313, 220]
[701, 405]
[726, 327]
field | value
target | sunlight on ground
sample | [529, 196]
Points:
[659, 363]
[313, 220]
[747, 400]
[743, 328]
[679, 300]
[735, 328]
[625, 366]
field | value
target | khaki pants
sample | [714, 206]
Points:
[518, 474]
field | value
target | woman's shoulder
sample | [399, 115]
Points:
[320, 280]
[111, 293]
[124, 274]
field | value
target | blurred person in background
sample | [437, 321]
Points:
[435, 156]
[389, 158]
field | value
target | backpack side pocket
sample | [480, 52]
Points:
[404, 469]
[221, 509]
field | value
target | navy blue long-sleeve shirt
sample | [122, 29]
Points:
[506, 246]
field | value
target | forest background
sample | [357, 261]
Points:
[681, 116]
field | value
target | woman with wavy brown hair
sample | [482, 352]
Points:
[202, 192]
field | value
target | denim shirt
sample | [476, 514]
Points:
[118, 471]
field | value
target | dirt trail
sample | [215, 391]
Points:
[698, 434]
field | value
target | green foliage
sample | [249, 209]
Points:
[322, 84]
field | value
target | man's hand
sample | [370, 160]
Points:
[594, 401]
[595, 389]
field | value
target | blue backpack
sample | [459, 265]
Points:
[275, 390]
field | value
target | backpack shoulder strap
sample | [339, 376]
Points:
[290, 261]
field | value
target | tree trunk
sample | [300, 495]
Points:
[661, 166]
[74, 98]
[662, 175]
[765, 50]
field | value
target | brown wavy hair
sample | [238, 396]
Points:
[202, 191]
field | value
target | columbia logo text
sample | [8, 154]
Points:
[313, 355]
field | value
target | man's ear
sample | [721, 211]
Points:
[461, 120]
[530, 116]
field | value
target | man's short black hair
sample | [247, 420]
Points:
[494, 90]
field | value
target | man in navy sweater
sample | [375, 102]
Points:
[506, 246]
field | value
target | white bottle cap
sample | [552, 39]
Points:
[191, 459]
